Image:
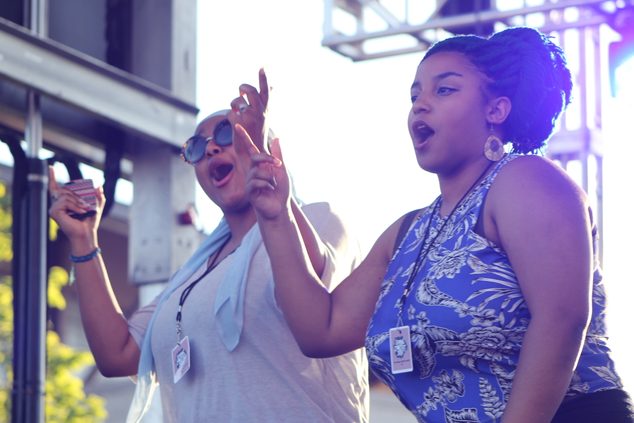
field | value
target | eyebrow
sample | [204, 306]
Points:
[440, 77]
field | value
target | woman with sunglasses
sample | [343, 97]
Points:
[490, 307]
[215, 339]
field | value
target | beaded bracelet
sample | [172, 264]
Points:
[87, 257]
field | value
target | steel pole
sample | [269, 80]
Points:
[30, 284]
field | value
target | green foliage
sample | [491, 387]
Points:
[65, 397]
[66, 401]
[57, 279]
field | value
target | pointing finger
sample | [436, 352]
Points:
[243, 143]
[264, 88]
[238, 105]
[252, 97]
[276, 150]
[52, 182]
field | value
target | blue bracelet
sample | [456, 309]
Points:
[87, 257]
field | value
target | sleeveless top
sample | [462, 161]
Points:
[467, 318]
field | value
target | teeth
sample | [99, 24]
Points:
[423, 127]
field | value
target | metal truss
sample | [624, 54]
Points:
[91, 85]
[371, 29]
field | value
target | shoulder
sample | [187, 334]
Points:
[404, 223]
[318, 210]
[322, 215]
[534, 165]
[533, 178]
[388, 241]
[534, 191]
[330, 226]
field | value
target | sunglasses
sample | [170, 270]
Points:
[194, 148]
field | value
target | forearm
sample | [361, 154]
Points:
[312, 243]
[305, 302]
[106, 328]
[549, 355]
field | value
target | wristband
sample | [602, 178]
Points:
[87, 257]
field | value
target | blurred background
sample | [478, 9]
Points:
[110, 89]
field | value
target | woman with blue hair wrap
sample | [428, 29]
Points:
[215, 339]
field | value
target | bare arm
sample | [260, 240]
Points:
[115, 351]
[324, 324]
[542, 223]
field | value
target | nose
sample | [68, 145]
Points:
[212, 148]
[421, 104]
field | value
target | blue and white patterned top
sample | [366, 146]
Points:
[467, 319]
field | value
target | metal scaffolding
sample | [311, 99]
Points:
[372, 29]
[123, 103]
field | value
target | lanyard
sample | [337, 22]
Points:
[181, 302]
[427, 245]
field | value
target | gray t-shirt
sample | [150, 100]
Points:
[266, 378]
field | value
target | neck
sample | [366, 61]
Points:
[240, 222]
[455, 185]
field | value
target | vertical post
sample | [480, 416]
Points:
[29, 351]
[30, 283]
[155, 255]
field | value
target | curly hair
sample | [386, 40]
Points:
[527, 67]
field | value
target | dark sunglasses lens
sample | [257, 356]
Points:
[194, 149]
[223, 135]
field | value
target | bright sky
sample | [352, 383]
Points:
[342, 127]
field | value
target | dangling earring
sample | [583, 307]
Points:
[494, 148]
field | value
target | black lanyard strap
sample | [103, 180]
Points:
[181, 302]
[427, 245]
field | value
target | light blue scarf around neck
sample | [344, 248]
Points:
[228, 306]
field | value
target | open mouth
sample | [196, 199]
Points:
[221, 171]
[422, 132]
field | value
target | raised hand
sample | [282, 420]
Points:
[65, 202]
[268, 184]
[250, 113]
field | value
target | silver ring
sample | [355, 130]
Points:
[242, 107]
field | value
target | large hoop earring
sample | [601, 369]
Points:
[494, 148]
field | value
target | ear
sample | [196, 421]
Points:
[498, 109]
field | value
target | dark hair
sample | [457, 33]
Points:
[528, 68]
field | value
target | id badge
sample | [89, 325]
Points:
[401, 350]
[181, 359]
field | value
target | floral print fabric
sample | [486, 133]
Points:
[467, 318]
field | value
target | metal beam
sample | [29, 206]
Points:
[353, 45]
[58, 138]
[89, 84]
